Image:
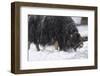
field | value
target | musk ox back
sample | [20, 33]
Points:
[47, 30]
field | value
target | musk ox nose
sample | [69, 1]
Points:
[79, 45]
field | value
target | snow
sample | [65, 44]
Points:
[51, 54]
[83, 30]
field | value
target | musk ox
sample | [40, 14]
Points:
[47, 30]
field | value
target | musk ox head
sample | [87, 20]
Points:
[76, 40]
[73, 38]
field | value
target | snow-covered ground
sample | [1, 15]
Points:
[50, 53]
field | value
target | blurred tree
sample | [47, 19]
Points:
[84, 21]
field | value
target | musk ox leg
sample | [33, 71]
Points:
[56, 45]
[60, 43]
[37, 46]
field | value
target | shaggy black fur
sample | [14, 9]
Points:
[46, 30]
